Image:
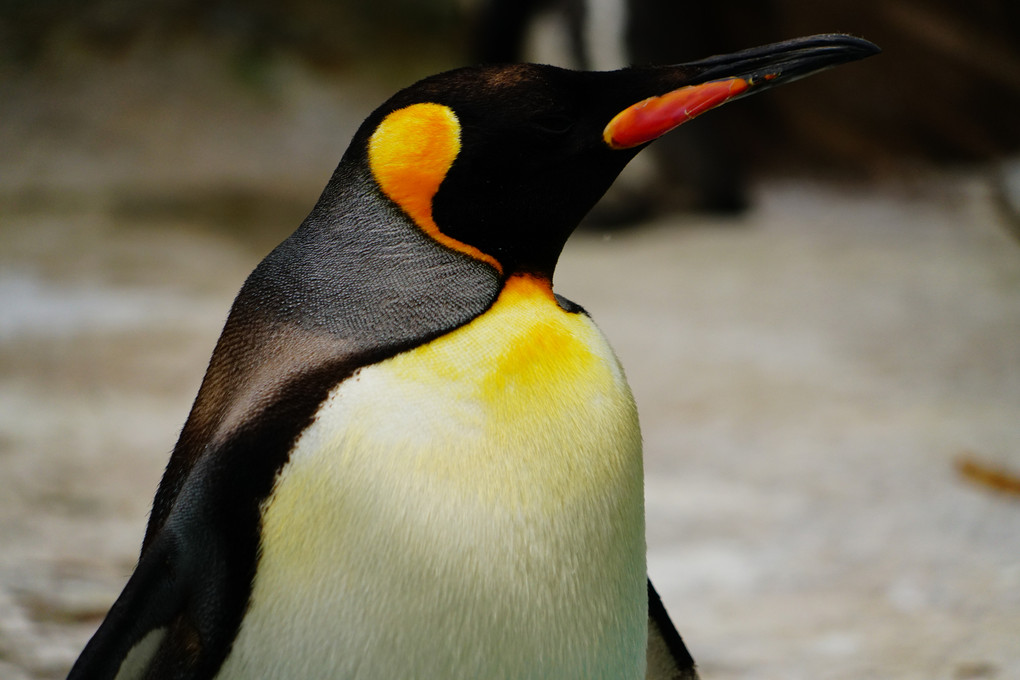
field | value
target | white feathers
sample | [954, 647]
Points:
[469, 509]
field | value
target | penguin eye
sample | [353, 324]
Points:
[554, 123]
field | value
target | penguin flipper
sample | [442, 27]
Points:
[668, 658]
[131, 630]
[158, 629]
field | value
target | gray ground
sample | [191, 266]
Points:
[809, 376]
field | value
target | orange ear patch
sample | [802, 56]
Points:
[409, 154]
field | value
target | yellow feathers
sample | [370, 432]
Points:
[493, 473]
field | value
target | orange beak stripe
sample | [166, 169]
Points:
[655, 116]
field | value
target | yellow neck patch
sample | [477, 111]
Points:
[409, 154]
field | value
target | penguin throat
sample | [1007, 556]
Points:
[409, 155]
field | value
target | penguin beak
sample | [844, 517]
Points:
[721, 79]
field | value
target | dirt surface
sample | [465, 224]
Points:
[810, 376]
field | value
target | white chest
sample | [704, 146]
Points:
[469, 509]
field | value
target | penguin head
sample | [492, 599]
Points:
[501, 162]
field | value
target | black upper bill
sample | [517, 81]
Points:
[785, 61]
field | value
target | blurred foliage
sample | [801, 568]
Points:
[326, 33]
[946, 88]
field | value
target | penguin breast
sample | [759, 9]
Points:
[470, 508]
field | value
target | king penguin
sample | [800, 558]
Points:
[409, 458]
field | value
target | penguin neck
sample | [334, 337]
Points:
[352, 201]
[355, 284]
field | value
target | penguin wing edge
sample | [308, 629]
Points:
[175, 618]
[129, 637]
[668, 658]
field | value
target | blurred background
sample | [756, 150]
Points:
[815, 293]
